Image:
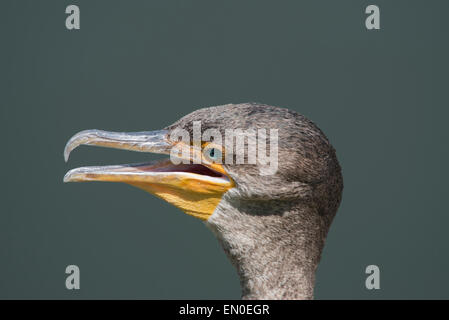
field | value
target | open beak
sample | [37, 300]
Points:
[195, 188]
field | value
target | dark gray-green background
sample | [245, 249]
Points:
[380, 96]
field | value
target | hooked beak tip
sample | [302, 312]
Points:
[144, 141]
[66, 155]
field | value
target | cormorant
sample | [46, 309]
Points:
[271, 226]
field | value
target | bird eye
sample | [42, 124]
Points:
[213, 154]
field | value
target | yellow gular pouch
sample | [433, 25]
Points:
[196, 197]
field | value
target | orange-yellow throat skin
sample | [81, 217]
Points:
[194, 197]
[194, 194]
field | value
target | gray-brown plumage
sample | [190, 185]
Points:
[273, 228]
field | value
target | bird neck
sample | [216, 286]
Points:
[275, 247]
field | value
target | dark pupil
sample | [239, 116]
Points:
[212, 153]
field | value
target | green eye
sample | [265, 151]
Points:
[214, 154]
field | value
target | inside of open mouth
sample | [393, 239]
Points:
[167, 166]
[192, 168]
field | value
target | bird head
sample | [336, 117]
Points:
[204, 177]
